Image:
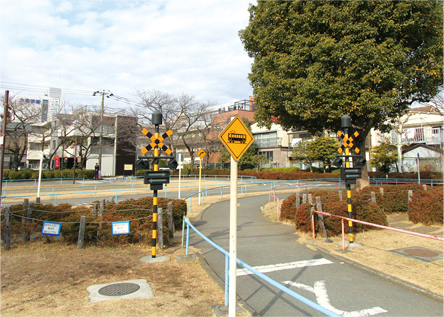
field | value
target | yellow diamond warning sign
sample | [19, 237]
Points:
[201, 154]
[236, 137]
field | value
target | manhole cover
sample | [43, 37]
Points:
[421, 252]
[119, 289]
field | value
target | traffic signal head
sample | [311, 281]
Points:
[361, 162]
[172, 164]
[337, 162]
[142, 165]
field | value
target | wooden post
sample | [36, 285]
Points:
[7, 244]
[304, 198]
[373, 195]
[381, 191]
[340, 195]
[424, 187]
[410, 195]
[95, 209]
[25, 203]
[27, 234]
[81, 232]
[310, 198]
[102, 208]
[37, 200]
[298, 200]
[171, 219]
[321, 217]
[111, 199]
[160, 227]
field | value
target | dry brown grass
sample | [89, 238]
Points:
[374, 253]
[51, 280]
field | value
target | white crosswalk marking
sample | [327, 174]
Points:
[284, 266]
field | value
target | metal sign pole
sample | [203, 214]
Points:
[200, 178]
[233, 239]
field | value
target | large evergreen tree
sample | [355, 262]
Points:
[317, 60]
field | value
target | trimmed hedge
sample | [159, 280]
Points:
[427, 206]
[98, 229]
[34, 174]
[361, 209]
[395, 198]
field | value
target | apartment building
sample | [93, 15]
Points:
[76, 137]
[419, 132]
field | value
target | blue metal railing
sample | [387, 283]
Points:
[396, 181]
[257, 273]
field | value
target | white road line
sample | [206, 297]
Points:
[284, 266]
[322, 298]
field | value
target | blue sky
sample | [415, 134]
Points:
[175, 46]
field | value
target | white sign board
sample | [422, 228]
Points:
[121, 227]
[51, 228]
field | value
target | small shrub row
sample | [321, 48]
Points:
[362, 210]
[99, 229]
[409, 175]
[426, 207]
[34, 174]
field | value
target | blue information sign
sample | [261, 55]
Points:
[51, 228]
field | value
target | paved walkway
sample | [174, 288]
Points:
[343, 288]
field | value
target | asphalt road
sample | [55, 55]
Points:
[336, 285]
[122, 189]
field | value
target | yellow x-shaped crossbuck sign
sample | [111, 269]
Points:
[348, 142]
[156, 142]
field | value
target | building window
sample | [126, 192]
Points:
[267, 154]
[44, 110]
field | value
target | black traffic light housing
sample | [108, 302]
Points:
[172, 164]
[142, 165]
[337, 162]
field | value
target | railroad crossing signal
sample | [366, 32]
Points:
[201, 154]
[156, 142]
[236, 137]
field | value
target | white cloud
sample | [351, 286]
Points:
[175, 46]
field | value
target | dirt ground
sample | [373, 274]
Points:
[39, 279]
[374, 252]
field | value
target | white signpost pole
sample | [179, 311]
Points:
[180, 168]
[233, 239]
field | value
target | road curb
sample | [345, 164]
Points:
[383, 275]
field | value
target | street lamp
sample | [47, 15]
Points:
[108, 94]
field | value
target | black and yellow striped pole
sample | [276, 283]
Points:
[346, 124]
[156, 120]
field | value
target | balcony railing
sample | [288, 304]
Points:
[270, 142]
[420, 135]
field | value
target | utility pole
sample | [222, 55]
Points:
[108, 94]
[5, 119]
